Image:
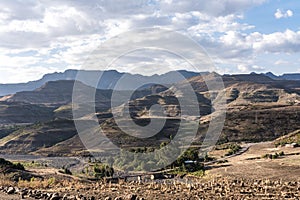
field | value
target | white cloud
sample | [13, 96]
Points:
[45, 21]
[63, 33]
[281, 14]
[249, 68]
[278, 42]
[281, 62]
[234, 44]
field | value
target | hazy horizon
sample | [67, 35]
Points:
[58, 72]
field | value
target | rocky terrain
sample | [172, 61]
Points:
[225, 188]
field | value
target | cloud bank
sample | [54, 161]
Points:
[43, 36]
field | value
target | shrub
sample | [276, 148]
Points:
[273, 156]
[101, 171]
[18, 166]
[65, 171]
[265, 156]
[233, 149]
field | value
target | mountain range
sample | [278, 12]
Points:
[108, 79]
[40, 121]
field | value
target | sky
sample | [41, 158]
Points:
[239, 36]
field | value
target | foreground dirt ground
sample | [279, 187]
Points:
[224, 188]
[246, 176]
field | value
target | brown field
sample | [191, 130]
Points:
[286, 167]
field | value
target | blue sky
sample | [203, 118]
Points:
[240, 36]
[262, 17]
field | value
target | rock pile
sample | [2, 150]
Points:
[38, 194]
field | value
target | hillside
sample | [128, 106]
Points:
[293, 137]
[258, 109]
[19, 112]
[40, 135]
[54, 93]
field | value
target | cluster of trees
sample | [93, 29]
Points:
[5, 164]
[191, 155]
[147, 159]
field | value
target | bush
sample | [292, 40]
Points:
[273, 156]
[233, 149]
[18, 166]
[65, 171]
[101, 171]
[265, 156]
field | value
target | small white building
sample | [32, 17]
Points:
[292, 145]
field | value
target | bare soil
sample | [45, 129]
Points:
[285, 168]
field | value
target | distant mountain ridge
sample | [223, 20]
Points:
[108, 79]
[291, 77]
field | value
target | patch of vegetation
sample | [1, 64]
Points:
[102, 170]
[142, 149]
[145, 159]
[273, 156]
[38, 183]
[33, 164]
[98, 170]
[149, 159]
[194, 164]
[233, 149]
[222, 161]
[6, 165]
